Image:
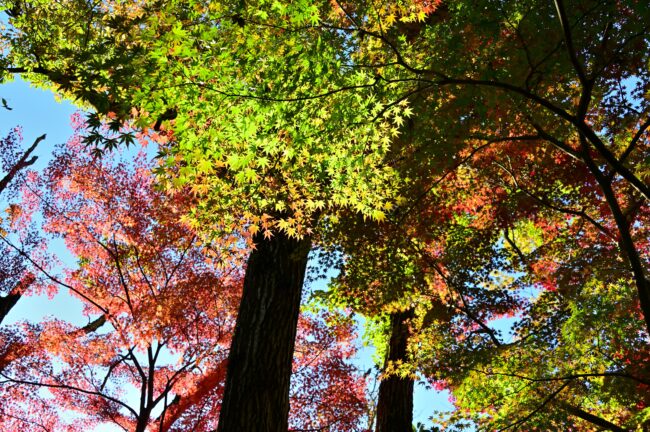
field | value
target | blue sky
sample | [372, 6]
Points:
[39, 112]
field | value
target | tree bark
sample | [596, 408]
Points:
[256, 394]
[395, 404]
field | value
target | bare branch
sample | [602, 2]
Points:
[22, 163]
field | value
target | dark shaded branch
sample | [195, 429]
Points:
[50, 276]
[110, 371]
[626, 242]
[556, 142]
[93, 326]
[22, 70]
[618, 374]
[568, 40]
[69, 388]
[534, 412]
[274, 99]
[591, 418]
[515, 247]
[137, 364]
[9, 301]
[116, 259]
[635, 139]
[150, 376]
[22, 163]
[144, 273]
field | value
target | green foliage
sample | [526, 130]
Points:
[264, 132]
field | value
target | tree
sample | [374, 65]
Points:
[166, 308]
[561, 117]
[497, 106]
[523, 97]
[571, 361]
[572, 191]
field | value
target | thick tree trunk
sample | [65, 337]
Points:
[395, 404]
[256, 395]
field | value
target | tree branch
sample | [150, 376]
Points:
[635, 139]
[69, 388]
[530, 415]
[22, 163]
[568, 40]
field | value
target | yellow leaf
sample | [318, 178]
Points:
[390, 19]
[378, 215]
[253, 229]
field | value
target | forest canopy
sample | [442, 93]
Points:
[475, 174]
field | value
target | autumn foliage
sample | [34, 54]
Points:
[476, 172]
[160, 307]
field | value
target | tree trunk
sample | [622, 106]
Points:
[395, 404]
[256, 394]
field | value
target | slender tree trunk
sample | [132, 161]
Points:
[395, 404]
[256, 394]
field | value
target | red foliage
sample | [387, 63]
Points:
[164, 305]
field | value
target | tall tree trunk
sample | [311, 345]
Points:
[395, 404]
[256, 394]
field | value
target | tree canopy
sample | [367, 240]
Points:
[477, 172]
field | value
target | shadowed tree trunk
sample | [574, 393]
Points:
[395, 404]
[256, 395]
